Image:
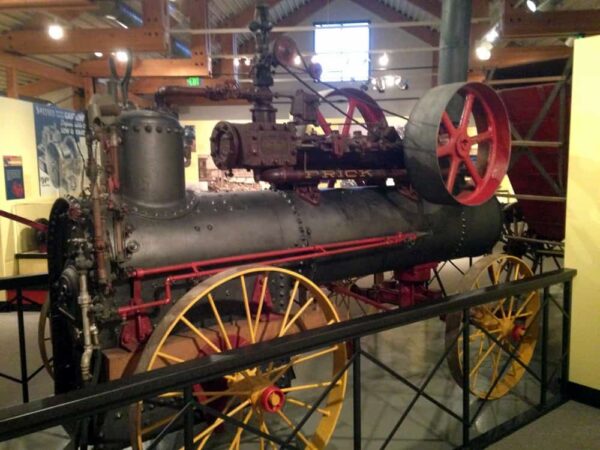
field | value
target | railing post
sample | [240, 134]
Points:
[22, 348]
[566, 336]
[188, 429]
[466, 422]
[356, 391]
[544, 362]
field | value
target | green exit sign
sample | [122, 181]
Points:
[193, 81]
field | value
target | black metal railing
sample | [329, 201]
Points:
[19, 303]
[90, 401]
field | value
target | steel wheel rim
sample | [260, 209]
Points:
[328, 411]
[512, 321]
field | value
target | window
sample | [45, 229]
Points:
[342, 49]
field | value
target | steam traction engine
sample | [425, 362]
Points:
[145, 274]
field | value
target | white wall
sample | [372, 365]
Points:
[341, 10]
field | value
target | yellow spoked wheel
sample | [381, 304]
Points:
[44, 338]
[239, 307]
[347, 305]
[511, 321]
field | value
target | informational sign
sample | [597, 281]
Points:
[60, 141]
[13, 177]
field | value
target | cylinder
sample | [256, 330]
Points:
[230, 224]
[151, 168]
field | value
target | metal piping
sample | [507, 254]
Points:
[454, 41]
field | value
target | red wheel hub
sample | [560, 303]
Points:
[272, 399]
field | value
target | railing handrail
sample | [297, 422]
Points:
[22, 419]
[24, 281]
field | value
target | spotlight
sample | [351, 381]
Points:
[384, 60]
[98, 54]
[122, 56]
[297, 60]
[247, 61]
[236, 62]
[492, 35]
[531, 5]
[484, 51]
[56, 32]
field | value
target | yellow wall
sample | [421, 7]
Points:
[17, 137]
[582, 250]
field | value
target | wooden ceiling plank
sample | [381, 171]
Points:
[45, 5]
[518, 24]
[428, 35]
[79, 40]
[39, 88]
[40, 70]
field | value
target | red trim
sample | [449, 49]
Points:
[275, 257]
[35, 225]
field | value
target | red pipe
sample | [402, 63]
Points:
[35, 225]
[318, 251]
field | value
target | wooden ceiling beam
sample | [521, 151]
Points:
[150, 85]
[516, 56]
[200, 43]
[428, 35]
[145, 68]
[433, 7]
[40, 70]
[519, 24]
[78, 40]
[12, 85]
[38, 88]
[45, 5]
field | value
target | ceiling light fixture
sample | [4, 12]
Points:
[56, 32]
[98, 54]
[297, 60]
[384, 59]
[531, 5]
[484, 51]
[236, 62]
[122, 56]
[492, 35]
[247, 61]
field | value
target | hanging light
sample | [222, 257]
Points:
[56, 31]
[98, 54]
[531, 5]
[236, 62]
[384, 59]
[484, 51]
[122, 56]
[247, 61]
[297, 60]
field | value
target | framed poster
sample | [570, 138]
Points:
[13, 177]
[60, 141]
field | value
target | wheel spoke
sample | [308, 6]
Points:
[289, 306]
[472, 170]
[296, 316]
[170, 357]
[247, 308]
[290, 424]
[213, 306]
[206, 433]
[201, 335]
[450, 128]
[295, 401]
[525, 303]
[481, 137]
[305, 387]
[238, 435]
[452, 173]
[157, 424]
[480, 360]
[261, 301]
[466, 113]
[348, 119]
[445, 150]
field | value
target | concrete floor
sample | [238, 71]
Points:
[411, 350]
